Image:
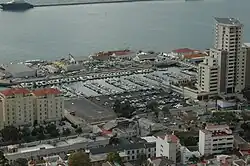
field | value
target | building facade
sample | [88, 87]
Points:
[16, 107]
[19, 106]
[228, 37]
[208, 75]
[49, 105]
[215, 139]
[167, 146]
[246, 52]
[228, 59]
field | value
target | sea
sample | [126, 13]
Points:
[50, 33]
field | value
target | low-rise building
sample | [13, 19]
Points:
[58, 146]
[19, 70]
[133, 151]
[160, 161]
[186, 154]
[215, 139]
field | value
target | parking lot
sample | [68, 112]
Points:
[88, 110]
[140, 99]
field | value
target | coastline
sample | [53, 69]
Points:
[94, 2]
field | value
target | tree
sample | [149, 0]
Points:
[79, 159]
[194, 159]
[123, 109]
[165, 111]
[66, 132]
[152, 105]
[20, 162]
[114, 157]
[3, 160]
[52, 130]
[142, 159]
[10, 133]
[79, 130]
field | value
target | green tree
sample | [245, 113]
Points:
[10, 133]
[20, 162]
[3, 160]
[52, 130]
[78, 130]
[165, 111]
[123, 109]
[142, 159]
[194, 159]
[114, 157]
[79, 159]
[66, 132]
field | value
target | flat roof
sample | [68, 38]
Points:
[16, 68]
[35, 148]
[229, 21]
[88, 110]
[246, 44]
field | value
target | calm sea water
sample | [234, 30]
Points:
[53, 32]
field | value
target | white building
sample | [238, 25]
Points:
[208, 75]
[186, 154]
[227, 57]
[167, 146]
[228, 37]
[246, 52]
[215, 139]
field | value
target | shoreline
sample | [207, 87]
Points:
[94, 2]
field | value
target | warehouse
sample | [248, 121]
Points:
[19, 70]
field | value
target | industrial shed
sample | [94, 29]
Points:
[19, 70]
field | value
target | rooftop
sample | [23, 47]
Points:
[47, 91]
[183, 50]
[191, 56]
[213, 127]
[229, 21]
[12, 68]
[88, 110]
[13, 91]
[171, 137]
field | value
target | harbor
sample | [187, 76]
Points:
[101, 74]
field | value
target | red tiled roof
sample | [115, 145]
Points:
[47, 91]
[106, 132]
[194, 56]
[13, 91]
[183, 50]
[173, 138]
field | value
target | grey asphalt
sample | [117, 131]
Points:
[88, 110]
